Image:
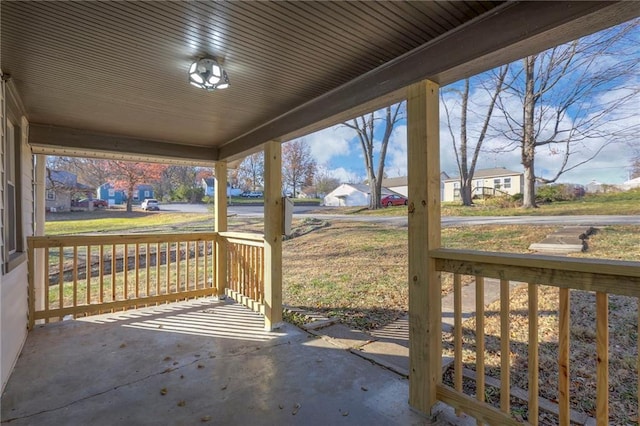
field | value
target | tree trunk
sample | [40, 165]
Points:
[465, 192]
[528, 142]
[129, 199]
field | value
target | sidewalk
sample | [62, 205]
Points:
[389, 345]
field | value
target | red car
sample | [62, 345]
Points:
[394, 200]
[97, 203]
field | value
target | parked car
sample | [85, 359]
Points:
[97, 203]
[394, 200]
[252, 194]
[150, 204]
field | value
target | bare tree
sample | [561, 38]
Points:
[635, 168]
[90, 171]
[250, 173]
[572, 102]
[298, 166]
[324, 182]
[468, 146]
[365, 128]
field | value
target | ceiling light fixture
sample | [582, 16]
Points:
[206, 73]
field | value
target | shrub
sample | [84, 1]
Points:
[502, 201]
[554, 193]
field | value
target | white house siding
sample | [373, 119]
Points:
[14, 284]
[402, 190]
[346, 195]
[516, 185]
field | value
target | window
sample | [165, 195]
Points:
[112, 192]
[507, 183]
[147, 194]
[456, 185]
[496, 183]
[11, 236]
[51, 195]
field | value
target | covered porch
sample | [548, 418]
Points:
[104, 107]
[203, 361]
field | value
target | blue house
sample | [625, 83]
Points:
[142, 191]
[208, 185]
[107, 192]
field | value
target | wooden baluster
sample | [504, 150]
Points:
[533, 354]
[137, 269]
[188, 259]
[252, 274]
[61, 279]
[205, 261]
[168, 256]
[74, 274]
[563, 357]
[480, 340]
[101, 273]
[178, 257]
[457, 334]
[197, 265]
[113, 272]
[602, 351]
[47, 282]
[87, 270]
[125, 271]
[158, 258]
[147, 265]
[505, 347]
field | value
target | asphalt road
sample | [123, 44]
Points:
[304, 211]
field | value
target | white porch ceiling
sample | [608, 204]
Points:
[110, 78]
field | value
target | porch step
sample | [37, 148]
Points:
[569, 239]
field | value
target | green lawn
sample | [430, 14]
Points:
[622, 203]
[109, 221]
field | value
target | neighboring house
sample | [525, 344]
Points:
[61, 188]
[400, 185]
[113, 196]
[631, 184]
[142, 191]
[208, 186]
[351, 195]
[495, 181]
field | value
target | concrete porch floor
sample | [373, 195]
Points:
[196, 362]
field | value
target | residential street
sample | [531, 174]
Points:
[304, 211]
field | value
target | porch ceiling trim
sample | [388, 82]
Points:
[503, 35]
[65, 141]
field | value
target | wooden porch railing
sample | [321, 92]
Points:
[603, 277]
[86, 275]
[245, 269]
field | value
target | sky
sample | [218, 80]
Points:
[338, 149]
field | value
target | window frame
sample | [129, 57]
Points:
[15, 254]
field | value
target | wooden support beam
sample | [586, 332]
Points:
[273, 219]
[39, 267]
[220, 194]
[465, 51]
[425, 308]
[67, 141]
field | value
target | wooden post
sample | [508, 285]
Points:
[425, 307]
[38, 268]
[273, 219]
[220, 193]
